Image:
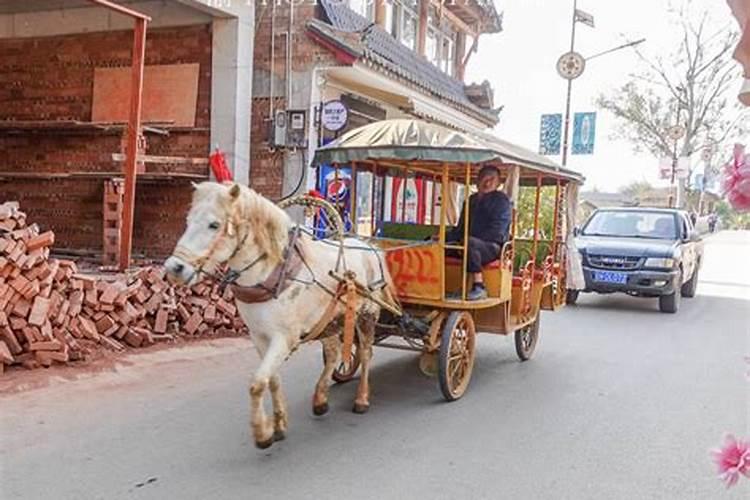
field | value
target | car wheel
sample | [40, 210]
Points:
[689, 288]
[671, 303]
[572, 296]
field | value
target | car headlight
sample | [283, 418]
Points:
[660, 262]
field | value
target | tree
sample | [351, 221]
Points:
[695, 82]
[636, 189]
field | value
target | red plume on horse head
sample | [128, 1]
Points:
[219, 166]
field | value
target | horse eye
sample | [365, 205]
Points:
[214, 226]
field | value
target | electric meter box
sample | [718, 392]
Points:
[296, 128]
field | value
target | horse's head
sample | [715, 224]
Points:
[226, 222]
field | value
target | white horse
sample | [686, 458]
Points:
[232, 225]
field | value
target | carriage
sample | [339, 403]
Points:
[407, 181]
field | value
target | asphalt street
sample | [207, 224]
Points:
[619, 402]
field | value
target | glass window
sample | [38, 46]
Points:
[390, 18]
[432, 51]
[449, 54]
[365, 8]
[408, 31]
[621, 223]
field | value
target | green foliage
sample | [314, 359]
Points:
[525, 228]
[730, 218]
[526, 202]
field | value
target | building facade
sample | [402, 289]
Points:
[378, 59]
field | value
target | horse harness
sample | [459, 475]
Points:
[279, 280]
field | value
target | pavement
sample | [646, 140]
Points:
[619, 402]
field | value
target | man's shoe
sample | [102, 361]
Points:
[477, 293]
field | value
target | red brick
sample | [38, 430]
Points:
[22, 308]
[109, 294]
[5, 355]
[160, 324]
[104, 324]
[226, 307]
[76, 302]
[88, 328]
[10, 339]
[39, 311]
[49, 345]
[193, 323]
[132, 338]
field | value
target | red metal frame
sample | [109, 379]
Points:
[134, 124]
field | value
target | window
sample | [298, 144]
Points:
[409, 20]
[448, 54]
[432, 47]
[402, 20]
[632, 224]
[365, 8]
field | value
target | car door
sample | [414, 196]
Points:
[688, 247]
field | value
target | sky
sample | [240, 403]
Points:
[520, 63]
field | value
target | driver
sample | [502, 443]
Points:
[489, 216]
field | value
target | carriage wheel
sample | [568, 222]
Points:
[457, 347]
[334, 225]
[344, 372]
[526, 339]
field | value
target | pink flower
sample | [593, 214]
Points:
[732, 460]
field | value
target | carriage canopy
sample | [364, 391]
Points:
[406, 140]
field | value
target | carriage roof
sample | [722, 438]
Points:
[422, 146]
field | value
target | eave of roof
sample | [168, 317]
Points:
[378, 49]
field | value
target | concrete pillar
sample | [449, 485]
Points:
[231, 90]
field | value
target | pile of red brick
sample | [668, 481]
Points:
[49, 312]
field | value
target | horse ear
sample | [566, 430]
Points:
[234, 191]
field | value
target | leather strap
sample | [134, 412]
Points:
[350, 318]
[276, 282]
[328, 316]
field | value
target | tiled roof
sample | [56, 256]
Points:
[378, 47]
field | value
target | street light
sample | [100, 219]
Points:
[572, 64]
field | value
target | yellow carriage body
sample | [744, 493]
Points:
[527, 277]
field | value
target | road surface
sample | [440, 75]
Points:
[619, 402]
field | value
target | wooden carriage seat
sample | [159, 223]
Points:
[497, 279]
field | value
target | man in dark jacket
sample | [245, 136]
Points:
[489, 227]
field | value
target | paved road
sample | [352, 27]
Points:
[619, 402]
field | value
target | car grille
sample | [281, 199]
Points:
[614, 262]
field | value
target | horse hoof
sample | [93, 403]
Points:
[321, 409]
[360, 408]
[279, 436]
[262, 445]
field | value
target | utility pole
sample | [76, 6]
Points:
[572, 64]
[570, 88]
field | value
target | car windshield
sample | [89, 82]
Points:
[659, 225]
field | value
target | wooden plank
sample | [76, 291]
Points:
[170, 94]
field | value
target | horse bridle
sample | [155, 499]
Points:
[198, 263]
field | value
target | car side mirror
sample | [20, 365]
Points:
[576, 230]
[695, 236]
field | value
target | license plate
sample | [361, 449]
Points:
[610, 277]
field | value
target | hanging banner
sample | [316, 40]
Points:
[584, 132]
[550, 134]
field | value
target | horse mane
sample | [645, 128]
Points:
[251, 213]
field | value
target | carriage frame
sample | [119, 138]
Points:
[433, 317]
